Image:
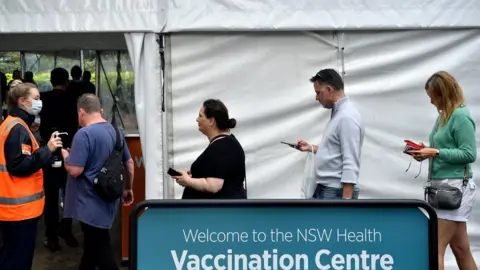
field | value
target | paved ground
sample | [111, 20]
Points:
[68, 258]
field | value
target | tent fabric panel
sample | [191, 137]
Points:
[60, 16]
[238, 15]
[144, 54]
[263, 79]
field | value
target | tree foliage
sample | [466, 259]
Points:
[9, 61]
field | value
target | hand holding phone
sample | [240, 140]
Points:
[57, 134]
[291, 145]
[173, 172]
[414, 145]
[411, 146]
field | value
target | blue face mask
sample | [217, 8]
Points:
[36, 107]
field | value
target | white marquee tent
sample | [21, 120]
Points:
[257, 57]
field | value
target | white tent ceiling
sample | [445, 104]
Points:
[53, 16]
[206, 15]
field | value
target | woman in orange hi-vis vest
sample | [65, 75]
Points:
[21, 177]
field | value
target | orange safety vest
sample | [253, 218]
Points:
[21, 198]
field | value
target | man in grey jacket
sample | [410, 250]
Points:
[337, 155]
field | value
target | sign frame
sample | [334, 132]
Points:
[432, 215]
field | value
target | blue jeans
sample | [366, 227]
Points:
[328, 193]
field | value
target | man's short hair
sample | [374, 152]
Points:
[87, 75]
[59, 77]
[90, 103]
[330, 77]
[76, 72]
[17, 74]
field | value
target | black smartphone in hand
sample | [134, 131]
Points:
[58, 134]
[290, 144]
[173, 172]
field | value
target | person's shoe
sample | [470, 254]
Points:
[52, 245]
[70, 240]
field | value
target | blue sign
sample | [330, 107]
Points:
[297, 234]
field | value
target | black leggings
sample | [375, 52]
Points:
[97, 251]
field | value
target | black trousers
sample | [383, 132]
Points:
[97, 251]
[18, 247]
[55, 180]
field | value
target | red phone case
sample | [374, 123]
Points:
[413, 145]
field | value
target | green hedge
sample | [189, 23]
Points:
[127, 78]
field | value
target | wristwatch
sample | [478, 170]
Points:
[438, 152]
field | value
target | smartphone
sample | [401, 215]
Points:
[290, 144]
[413, 145]
[58, 134]
[172, 172]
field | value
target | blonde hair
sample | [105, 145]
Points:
[15, 83]
[445, 89]
[20, 90]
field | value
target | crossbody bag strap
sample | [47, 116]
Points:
[430, 163]
[220, 136]
[465, 176]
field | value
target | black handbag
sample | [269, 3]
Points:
[109, 181]
[444, 196]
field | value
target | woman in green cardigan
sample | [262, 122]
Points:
[451, 152]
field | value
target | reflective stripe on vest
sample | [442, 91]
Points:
[11, 124]
[21, 200]
[16, 121]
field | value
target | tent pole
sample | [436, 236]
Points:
[97, 72]
[161, 48]
[55, 60]
[82, 64]
[114, 98]
[22, 63]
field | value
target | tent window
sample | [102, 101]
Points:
[116, 89]
[41, 64]
[112, 74]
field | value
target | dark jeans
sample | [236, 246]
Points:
[97, 251]
[55, 180]
[18, 247]
[328, 193]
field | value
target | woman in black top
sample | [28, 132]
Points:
[219, 172]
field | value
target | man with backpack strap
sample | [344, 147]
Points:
[98, 162]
